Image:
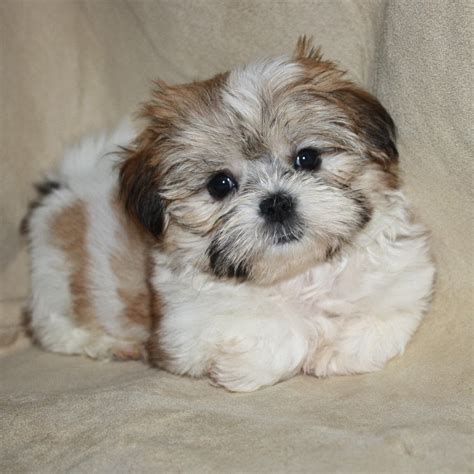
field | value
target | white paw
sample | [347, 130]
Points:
[245, 366]
[235, 369]
[106, 348]
[332, 360]
[235, 382]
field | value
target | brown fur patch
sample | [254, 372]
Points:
[129, 263]
[155, 353]
[157, 356]
[69, 231]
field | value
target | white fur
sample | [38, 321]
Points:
[247, 84]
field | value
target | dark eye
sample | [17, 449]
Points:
[221, 185]
[307, 159]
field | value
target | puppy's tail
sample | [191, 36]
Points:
[87, 168]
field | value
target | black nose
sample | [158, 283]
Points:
[277, 207]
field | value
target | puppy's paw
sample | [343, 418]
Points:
[248, 365]
[239, 367]
[334, 360]
[236, 380]
[234, 383]
[106, 348]
[129, 352]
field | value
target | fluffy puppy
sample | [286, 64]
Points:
[253, 230]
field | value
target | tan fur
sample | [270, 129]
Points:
[156, 354]
[305, 49]
[154, 351]
[69, 230]
[129, 263]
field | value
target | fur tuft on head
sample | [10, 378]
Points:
[305, 49]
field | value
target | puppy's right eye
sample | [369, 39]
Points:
[221, 185]
[307, 159]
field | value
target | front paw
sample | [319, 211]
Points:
[332, 360]
[235, 371]
[234, 381]
[322, 364]
[246, 366]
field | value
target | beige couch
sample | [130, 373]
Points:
[71, 67]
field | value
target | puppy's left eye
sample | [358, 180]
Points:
[307, 159]
[221, 185]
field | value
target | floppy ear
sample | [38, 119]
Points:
[371, 122]
[140, 170]
[140, 192]
[369, 119]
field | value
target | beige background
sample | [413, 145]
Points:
[72, 67]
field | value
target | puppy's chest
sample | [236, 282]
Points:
[331, 289]
[327, 290]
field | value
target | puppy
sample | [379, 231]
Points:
[253, 230]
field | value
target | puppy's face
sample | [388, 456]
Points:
[262, 172]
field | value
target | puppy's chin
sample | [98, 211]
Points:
[284, 261]
[282, 258]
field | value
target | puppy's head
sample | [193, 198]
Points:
[262, 172]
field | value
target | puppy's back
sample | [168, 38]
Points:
[89, 292]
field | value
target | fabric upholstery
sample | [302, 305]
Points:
[70, 68]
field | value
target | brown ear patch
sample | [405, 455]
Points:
[140, 193]
[145, 162]
[371, 122]
[368, 118]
